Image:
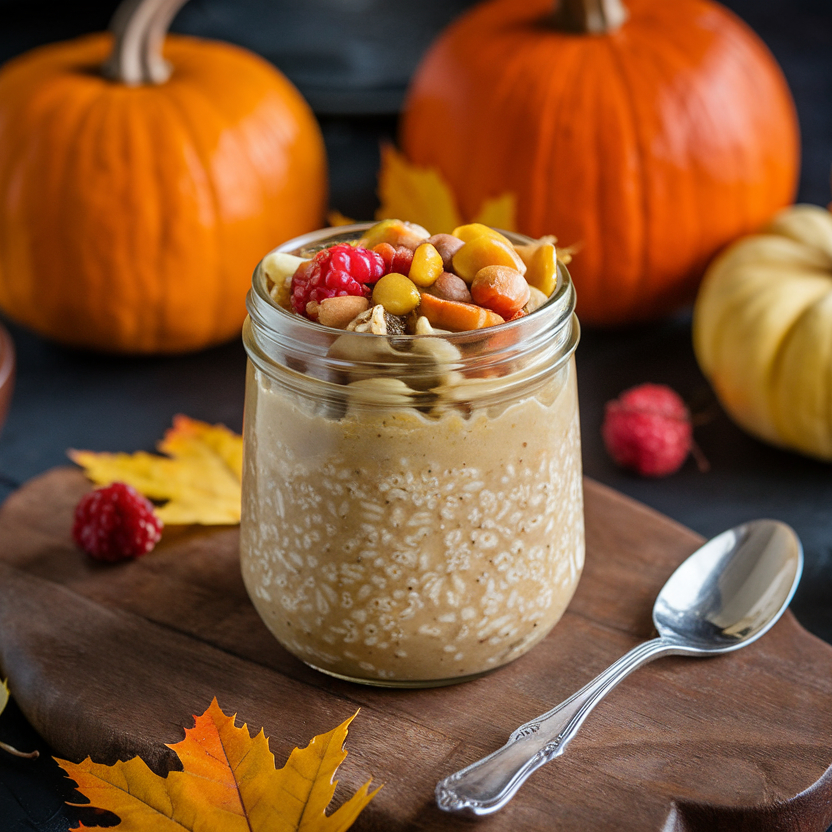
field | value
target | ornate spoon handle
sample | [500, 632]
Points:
[487, 785]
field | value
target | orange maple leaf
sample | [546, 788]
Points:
[228, 783]
[199, 481]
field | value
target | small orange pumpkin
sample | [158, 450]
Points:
[646, 136]
[135, 203]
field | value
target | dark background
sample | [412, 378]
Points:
[352, 60]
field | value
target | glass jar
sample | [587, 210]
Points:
[412, 504]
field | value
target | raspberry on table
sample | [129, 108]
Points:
[655, 398]
[116, 523]
[340, 270]
[647, 429]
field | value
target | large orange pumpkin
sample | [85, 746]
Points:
[135, 203]
[648, 136]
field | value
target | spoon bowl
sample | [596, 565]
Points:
[733, 589]
[727, 594]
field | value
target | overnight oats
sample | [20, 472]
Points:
[412, 495]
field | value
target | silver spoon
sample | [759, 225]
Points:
[724, 596]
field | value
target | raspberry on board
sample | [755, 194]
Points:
[340, 270]
[647, 429]
[116, 523]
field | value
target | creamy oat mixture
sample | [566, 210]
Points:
[392, 546]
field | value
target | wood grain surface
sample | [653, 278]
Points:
[111, 661]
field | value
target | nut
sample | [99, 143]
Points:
[338, 312]
[279, 265]
[450, 287]
[372, 320]
[536, 299]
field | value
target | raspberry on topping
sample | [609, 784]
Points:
[340, 270]
[647, 429]
[363, 264]
[116, 523]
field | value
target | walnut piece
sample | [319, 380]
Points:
[378, 321]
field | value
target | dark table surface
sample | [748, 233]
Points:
[69, 399]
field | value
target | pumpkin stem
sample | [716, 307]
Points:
[139, 28]
[589, 17]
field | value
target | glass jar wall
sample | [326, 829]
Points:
[412, 504]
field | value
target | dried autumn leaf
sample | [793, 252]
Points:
[199, 480]
[336, 218]
[228, 783]
[498, 212]
[421, 195]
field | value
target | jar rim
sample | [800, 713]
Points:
[561, 302]
[276, 337]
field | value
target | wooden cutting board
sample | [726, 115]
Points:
[111, 661]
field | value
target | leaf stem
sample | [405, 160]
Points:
[29, 755]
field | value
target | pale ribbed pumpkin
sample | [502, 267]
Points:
[135, 203]
[762, 331]
[648, 136]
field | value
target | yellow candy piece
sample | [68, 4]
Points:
[485, 251]
[541, 266]
[396, 293]
[427, 265]
[472, 230]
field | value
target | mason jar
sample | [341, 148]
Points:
[412, 504]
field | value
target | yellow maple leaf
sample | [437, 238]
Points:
[498, 212]
[336, 218]
[228, 783]
[421, 195]
[198, 481]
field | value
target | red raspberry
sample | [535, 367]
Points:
[648, 430]
[116, 523]
[340, 270]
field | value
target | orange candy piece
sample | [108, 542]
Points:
[456, 316]
[501, 289]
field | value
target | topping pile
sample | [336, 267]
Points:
[397, 273]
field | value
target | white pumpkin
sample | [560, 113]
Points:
[762, 331]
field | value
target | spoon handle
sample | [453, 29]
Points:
[487, 785]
